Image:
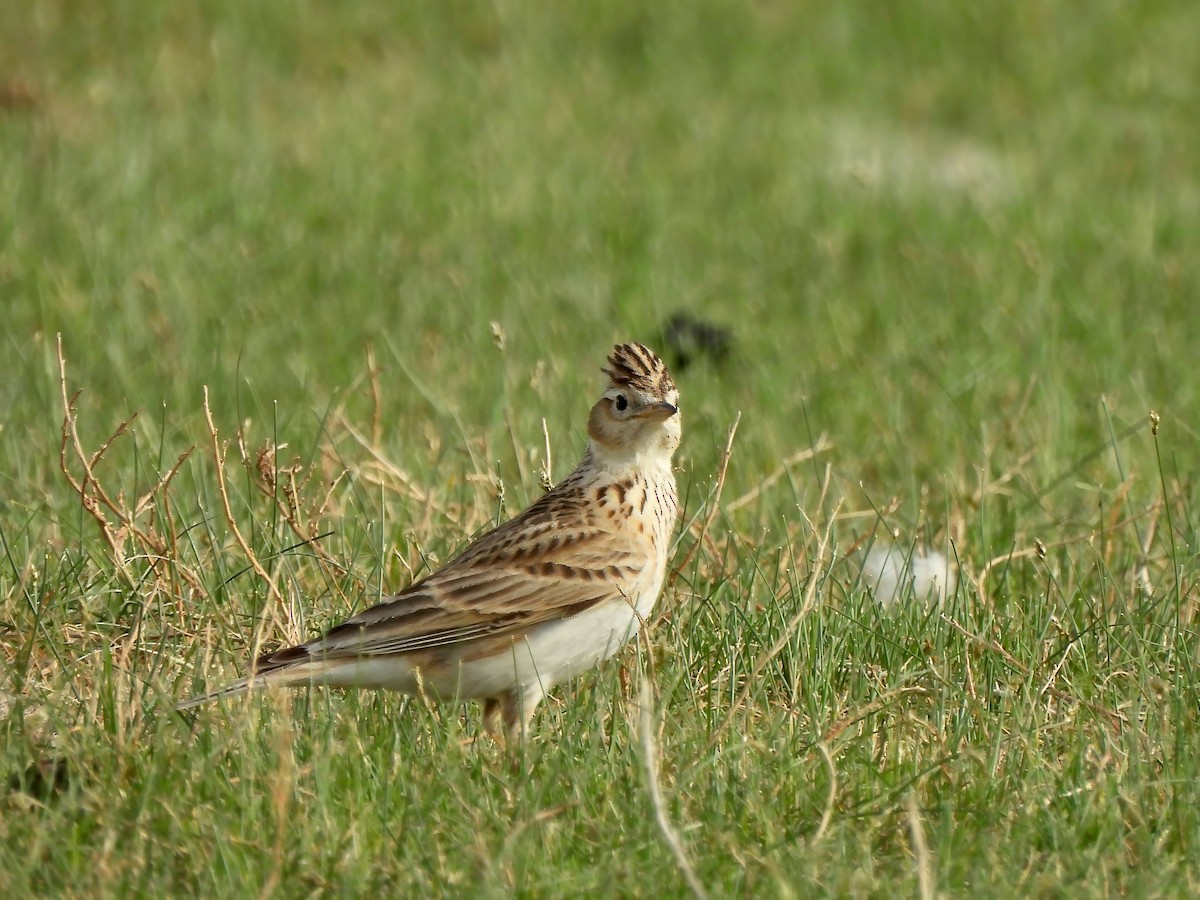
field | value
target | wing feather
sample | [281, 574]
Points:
[550, 562]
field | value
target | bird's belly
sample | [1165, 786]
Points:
[552, 652]
[547, 655]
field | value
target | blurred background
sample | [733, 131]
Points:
[937, 232]
[941, 257]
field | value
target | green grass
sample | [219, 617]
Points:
[958, 240]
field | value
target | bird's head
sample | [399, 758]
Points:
[639, 410]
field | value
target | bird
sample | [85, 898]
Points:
[552, 592]
[688, 337]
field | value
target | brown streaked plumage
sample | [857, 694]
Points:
[553, 591]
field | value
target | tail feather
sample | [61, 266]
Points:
[283, 674]
[233, 689]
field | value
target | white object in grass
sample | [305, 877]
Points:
[892, 574]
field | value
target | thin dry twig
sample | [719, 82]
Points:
[384, 463]
[920, 849]
[91, 492]
[657, 801]
[784, 467]
[714, 503]
[95, 499]
[857, 715]
[784, 637]
[1026, 552]
[543, 815]
[272, 590]
[376, 398]
[1115, 719]
[827, 813]
[546, 476]
[286, 494]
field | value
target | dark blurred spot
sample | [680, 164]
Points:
[17, 96]
[46, 778]
[687, 338]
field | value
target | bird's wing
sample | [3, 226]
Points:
[534, 568]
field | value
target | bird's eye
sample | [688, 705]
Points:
[621, 402]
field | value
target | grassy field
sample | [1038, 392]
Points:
[364, 262]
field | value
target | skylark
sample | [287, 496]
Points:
[552, 592]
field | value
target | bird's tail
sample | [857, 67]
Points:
[281, 675]
[233, 689]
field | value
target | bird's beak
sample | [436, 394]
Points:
[658, 412]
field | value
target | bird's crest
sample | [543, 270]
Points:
[636, 365]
